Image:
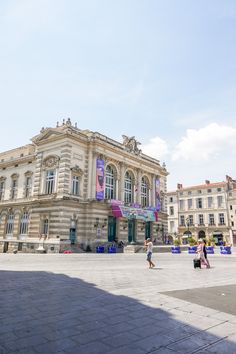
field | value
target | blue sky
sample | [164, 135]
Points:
[164, 71]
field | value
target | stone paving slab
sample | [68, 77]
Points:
[112, 303]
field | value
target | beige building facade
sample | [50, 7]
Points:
[73, 186]
[203, 211]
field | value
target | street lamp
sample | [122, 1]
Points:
[188, 224]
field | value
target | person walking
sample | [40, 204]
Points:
[200, 252]
[205, 254]
[149, 245]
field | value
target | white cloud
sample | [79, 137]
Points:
[156, 148]
[205, 143]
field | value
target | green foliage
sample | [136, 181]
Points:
[192, 241]
[176, 242]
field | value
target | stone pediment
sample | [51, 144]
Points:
[47, 134]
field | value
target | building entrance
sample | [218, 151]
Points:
[111, 229]
[131, 231]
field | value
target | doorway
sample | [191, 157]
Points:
[111, 228]
[131, 231]
[72, 235]
[147, 229]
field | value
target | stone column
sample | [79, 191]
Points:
[64, 173]
[37, 175]
[122, 182]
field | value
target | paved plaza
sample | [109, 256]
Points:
[112, 303]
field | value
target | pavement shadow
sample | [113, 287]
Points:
[47, 313]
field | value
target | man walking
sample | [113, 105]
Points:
[149, 246]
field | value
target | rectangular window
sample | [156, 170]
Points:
[190, 203]
[45, 226]
[201, 219]
[171, 199]
[181, 204]
[171, 210]
[232, 223]
[189, 192]
[199, 191]
[50, 181]
[24, 224]
[199, 203]
[231, 207]
[27, 187]
[209, 202]
[209, 191]
[190, 218]
[75, 185]
[182, 221]
[218, 189]
[211, 219]
[219, 200]
[1, 190]
[221, 219]
[14, 189]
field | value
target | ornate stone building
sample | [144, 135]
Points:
[73, 186]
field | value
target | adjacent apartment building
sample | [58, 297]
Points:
[73, 186]
[203, 211]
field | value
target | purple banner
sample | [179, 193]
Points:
[158, 197]
[99, 179]
[119, 210]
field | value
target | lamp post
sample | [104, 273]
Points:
[187, 223]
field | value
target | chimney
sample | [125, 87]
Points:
[207, 181]
[179, 186]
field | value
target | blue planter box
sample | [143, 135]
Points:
[100, 249]
[111, 249]
[210, 250]
[192, 249]
[225, 249]
[175, 249]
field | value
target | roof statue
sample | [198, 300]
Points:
[131, 144]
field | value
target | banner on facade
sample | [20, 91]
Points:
[158, 196]
[100, 179]
[119, 210]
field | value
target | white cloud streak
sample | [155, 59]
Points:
[205, 143]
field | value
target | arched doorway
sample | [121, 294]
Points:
[201, 234]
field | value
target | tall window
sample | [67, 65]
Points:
[219, 200]
[199, 203]
[109, 183]
[182, 221]
[28, 184]
[209, 202]
[190, 203]
[14, 189]
[221, 219]
[2, 185]
[128, 198]
[181, 204]
[211, 219]
[200, 219]
[144, 192]
[50, 182]
[45, 227]
[75, 185]
[24, 224]
[171, 210]
[9, 225]
[190, 218]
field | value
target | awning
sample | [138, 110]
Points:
[133, 213]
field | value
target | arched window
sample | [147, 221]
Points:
[109, 183]
[128, 197]
[24, 223]
[144, 192]
[9, 224]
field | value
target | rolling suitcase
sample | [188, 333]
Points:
[196, 263]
